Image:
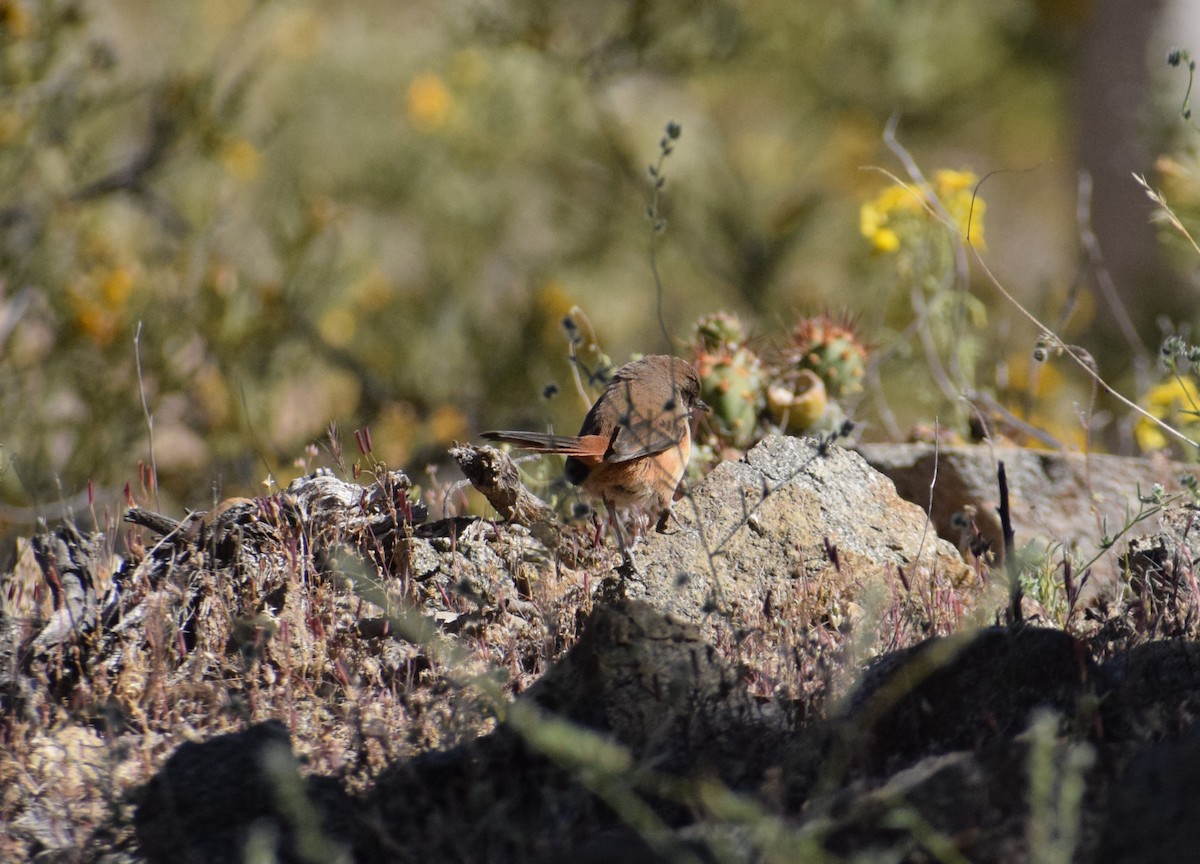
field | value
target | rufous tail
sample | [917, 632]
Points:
[540, 442]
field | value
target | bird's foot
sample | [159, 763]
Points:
[627, 569]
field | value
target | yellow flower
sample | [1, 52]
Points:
[899, 197]
[99, 299]
[98, 325]
[1176, 402]
[956, 191]
[885, 240]
[899, 213]
[1149, 437]
[117, 286]
[429, 102]
[871, 222]
[947, 182]
[877, 219]
[869, 219]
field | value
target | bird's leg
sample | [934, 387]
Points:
[598, 528]
[615, 522]
[624, 546]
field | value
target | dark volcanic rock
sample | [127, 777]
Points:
[212, 801]
[1154, 814]
[659, 689]
[641, 679]
[1157, 689]
[961, 691]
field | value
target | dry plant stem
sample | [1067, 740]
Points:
[657, 226]
[156, 522]
[931, 203]
[1087, 443]
[961, 266]
[880, 358]
[876, 361]
[949, 390]
[711, 550]
[1010, 558]
[137, 352]
[921, 312]
[1159, 199]
[1079, 357]
[1010, 420]
[579, 315]
[823, 445]
[932, 484]
[710, 553]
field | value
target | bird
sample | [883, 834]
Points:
[635, 441]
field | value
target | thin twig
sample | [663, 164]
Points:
[961, 265]
[1159, 199]
[137, 351]
[940, 375]
[937, 452]
[577, 313]
[1079, 358]
[1010, 554]
[658, 224]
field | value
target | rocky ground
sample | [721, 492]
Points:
[802, 669]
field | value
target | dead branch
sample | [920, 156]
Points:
[498, 479]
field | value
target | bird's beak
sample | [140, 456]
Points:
[701, 406]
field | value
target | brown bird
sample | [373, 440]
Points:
[635, 441]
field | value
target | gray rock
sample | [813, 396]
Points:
[795, 529]
[1055, 498]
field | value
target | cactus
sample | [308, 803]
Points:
[731, 383]
[720, 330]
[797, 406]
[829, 349]
[731, 377]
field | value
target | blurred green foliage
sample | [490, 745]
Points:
[379, 214]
